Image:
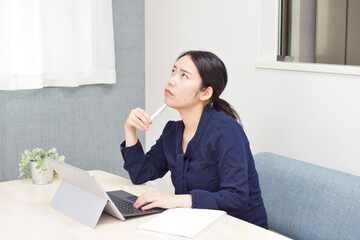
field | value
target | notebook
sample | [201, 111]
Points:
[82, 197]
[184, 222]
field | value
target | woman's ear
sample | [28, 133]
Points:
[207, 94]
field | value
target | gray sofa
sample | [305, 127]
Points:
[306, 201]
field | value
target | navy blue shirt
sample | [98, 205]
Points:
[217, 168]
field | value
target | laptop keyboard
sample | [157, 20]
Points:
[127, 208]
[124, 206]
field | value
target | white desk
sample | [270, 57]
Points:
[25, 214]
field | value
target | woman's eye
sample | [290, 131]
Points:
[184, 76]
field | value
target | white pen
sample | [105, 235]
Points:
[158, 112]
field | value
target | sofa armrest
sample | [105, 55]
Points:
[306, 201]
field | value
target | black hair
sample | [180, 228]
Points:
[213, 73]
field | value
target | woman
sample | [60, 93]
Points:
[207, 153]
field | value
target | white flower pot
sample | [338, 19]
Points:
[42, 177]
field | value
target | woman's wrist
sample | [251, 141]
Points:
[185, 200]
[130, 135]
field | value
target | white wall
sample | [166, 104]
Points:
[312, 117]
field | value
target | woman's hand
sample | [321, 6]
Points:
[137, 119]
[157, 198]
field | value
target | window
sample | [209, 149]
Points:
[322, 31]
[56, 43]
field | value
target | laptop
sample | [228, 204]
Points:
[82, 197]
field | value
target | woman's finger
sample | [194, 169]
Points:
[151, 205]
[137, 120]
[141, 201]
[145, 115]
[137, 124]
[142, 116]
[147, 197]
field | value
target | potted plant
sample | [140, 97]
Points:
[34, 164]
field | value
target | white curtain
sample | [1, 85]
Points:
[56, 43]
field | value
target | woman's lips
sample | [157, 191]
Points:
[168, 92]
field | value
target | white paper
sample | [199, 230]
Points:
[186, 222]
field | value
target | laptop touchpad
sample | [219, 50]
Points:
[124, 195]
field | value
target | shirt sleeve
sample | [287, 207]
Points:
[232, 154]
[144, 167]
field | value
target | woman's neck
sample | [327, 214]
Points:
[191, 118]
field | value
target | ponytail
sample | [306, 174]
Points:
[223, 106]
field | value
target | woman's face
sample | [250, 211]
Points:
[183, 84]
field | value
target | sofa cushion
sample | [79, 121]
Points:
[306, 201]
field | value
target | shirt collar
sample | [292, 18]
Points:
[194, 142]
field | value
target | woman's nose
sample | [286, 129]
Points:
[171, 80]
